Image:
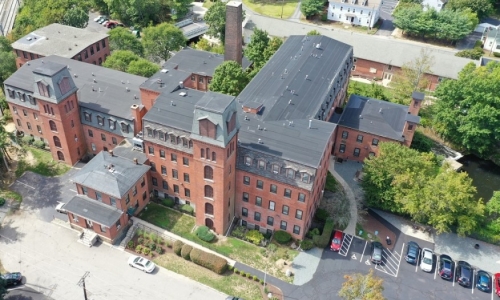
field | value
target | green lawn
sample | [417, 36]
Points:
[43, 164]
[168, 219]
[277, 9]
[388, 92]
[331, 183]
[6, 194]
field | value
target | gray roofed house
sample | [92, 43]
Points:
[111, 175]
[377, 117]
[93, 210]
[58, 39]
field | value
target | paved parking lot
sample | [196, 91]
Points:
[386, 10]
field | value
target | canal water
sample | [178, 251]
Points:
[485, 175]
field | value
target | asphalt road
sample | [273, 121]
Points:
[386, 10]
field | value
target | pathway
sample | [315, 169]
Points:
[296, 14]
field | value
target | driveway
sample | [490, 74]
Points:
[386, 10]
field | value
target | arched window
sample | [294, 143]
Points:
[57, 142]
[208, 172]
[60, 155]
[52, 125]
[209, 209]
[209, 223]
[214, 157]
[209, 191]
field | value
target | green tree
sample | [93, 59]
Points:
[205, 45]
[412, 77]
[421, 142]
[229, 78]
[121, 38]
[468, 109]
[7, 61]
[255, 49]
[313, 32]
[273, 46]
[215, 17]
[311, 7]
[482, 8]
[142, 67]
[180, 8]
[140, 12]
[161, 40]
[365, 287]
[76, 17]
[120, 60]
[3, 289]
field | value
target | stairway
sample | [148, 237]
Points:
[128, 236]
[88, 237]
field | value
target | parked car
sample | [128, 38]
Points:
[105, 23]
[464, 274]
[113, 24]
[141, 263]
[337, 240]
[427, 260]
[445, 267]
[376, 253]
[60, 208]
[102, 20]
[233, 298]
[98, 18]
[12, 279]
[412, 253]
[483, 281]
[497, 284]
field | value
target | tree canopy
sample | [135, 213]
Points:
[76, 17]
[365, 287]
[255, 49]
[205, 45]
[159, 41]
[142, 13]
[122, 39]
[215, 17]
[372, 91]
[7, 60]
[468, 109]
[120, 60]
[229, 78]
[311, 7]
[404, 181]
[142, 67]
[313, 32]
[482, 8]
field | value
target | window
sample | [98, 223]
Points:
[144, 195]
[114, 141]
[231, 124]
[155, 181]
[43, 89]
[290, 173]
[187, 193]
[134, 191]
[118, 224]
[162, 153]
[91, 134]
[375, 142]
[359, 139]
[248, 161]
[173, 157]
[87, 117]
[356, 152]
[57, 142]
[153, 167]
[173, 139]
[84, 190]
[175, 174]
[75, 218]
[19, 123]
[64, 85]
[39, 128]
[72, 124]
[193, 78]
[186, 177]
[103, 229]
[92, 51]
[52, 125]
[274, 189]
[207, 129]
[100, 120]
[245, 197]
[93, 147]
[103, 137]
[342, 148]
[184, 143]
[185, 161]
[246, 180]
[285, 209]
[260, 184]
[103, 42]
[214, 156]
[200, 79]
[164, 184]
[272, 205]
[296, 229]
[262, 165]
[208, 172]
[283, 225]
[124, 127]
[244, 212]
[111, 124]
[112, 201]
[98, 47]
[305, 177]
[258, 201]
[209, 191]
[288, 193]
[256, 216]
[151, 150]
[127, 201]
[176, 189]
[163, 170]
[410, 127]
[345, 134]
[202, 152]
[298, 214]
[371, 154]
[143, 182]
[276, 169]
[25, 112]
[270, 221]
[302, 197]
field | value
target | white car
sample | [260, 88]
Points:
[427, 260]
[141, 263]
[60, 209]
[98, 18]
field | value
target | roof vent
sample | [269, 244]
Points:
[95, 81]
[69, 48]
[361, 116]
[307, 76]
[380, 110]
[289, 101]
[128, 90]
[247, 118]
[181, 84]
[258, 127]
[164, 70]
[123, 82]
[93, 74]
[172, 103]
[135, 97]
[75, 36]
[182, 94]
[260, 141]
[28, 63]
[100, 90]
[76, 45]
[265, 129]
[286, 71]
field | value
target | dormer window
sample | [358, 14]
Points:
[87, 117]
[22, 96]
[305, 177]
[173, 139]
[64, 85]
[161, 135]
[184, 143]
[262, 165]
[276, 169]
[112, 123]
[248, 161]
[124, 127]
[231, 124]
[32, 100]
[100, 121]
[43, 89]
[290, 173]
[12, 94]
[207, 128]
[149, 131]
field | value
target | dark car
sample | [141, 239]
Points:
[464, 274]
[445, 267]
[412, 253]
[483, 281]
[376, 256]
[12, 279]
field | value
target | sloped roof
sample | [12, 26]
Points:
[93, 210]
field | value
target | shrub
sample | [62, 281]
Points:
[239, 232]
[243, 274]
[39, 144]
[306, 245]
[478, 44]
[159, 250]
[138, 248]
[168, 244]
[168, 202]
[140, 240]
[236, 271]
[161, 241]
[185, 251]
[153, 237]
[209, 261]
[2, 201]
[204, 233]
[139, 232]
[254, 236]
[152, 246]
[27, 139]
[230, 268]
[261, 282]
[321, 215]
[187, 209]
[268, 235]
[475, 53]
[321, 241]
[324, 17]
[178, 247]
[255, 277]
[130, 245]
[282, 237]
[312, 233]
[146, 251]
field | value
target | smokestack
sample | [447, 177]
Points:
[135, 161]
[234, 32]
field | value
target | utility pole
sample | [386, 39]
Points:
[81, 282]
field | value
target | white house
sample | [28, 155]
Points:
[355, 12]
[491, 39]
[436, 4]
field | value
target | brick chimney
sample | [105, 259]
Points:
[234, 32]
[416, 103]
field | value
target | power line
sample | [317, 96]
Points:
[81, 282]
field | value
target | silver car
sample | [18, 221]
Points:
[427, 260]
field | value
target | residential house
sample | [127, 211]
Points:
[491, 39]
[355, 12]
[437, 5]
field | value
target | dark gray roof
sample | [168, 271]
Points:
[49, 68]
[110, 93]
[111, 175]
[126, 150]
[418, 96]
[93, 210]
[377, 117]
[197, 61]
[214, 102]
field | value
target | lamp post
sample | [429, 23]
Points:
[282, 6]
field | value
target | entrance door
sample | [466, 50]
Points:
[89, 224]
[209, 223]
[352, 19]
[388, 76]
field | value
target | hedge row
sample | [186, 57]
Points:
[321, 241]
[178, 247]
[204, 233]
[209, 261]
[185, 251]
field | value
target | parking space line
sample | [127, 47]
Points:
[454, 274]
[436, 269]
[418, 259]
[346, 244]
[362, 254]
[399, 264]
[473, 280]
[25, 184]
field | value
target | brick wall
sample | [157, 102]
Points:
[31, 123]
[97, 140]
[197, 82]
[148, 98]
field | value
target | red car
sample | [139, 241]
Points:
[113, 24]
[337, 240]
[497, 284]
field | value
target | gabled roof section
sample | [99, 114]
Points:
[214, 102]
[93, 210]
[111, 175]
